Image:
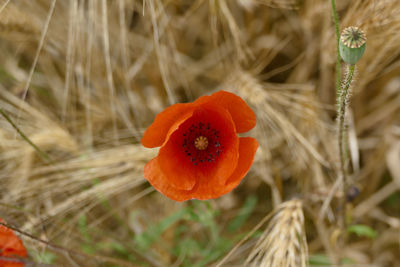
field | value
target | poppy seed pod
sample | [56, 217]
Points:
[352, 44]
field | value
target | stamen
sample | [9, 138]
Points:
[201, 142]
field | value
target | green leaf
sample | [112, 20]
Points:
[362, 230]
[153, 232]
[82, 225]
[243, 214]
[87, 248]
[319, 259]
[45, 257]
[221, 248]
[323, 260]
[187, 248]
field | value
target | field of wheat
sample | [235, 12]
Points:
[81, 80]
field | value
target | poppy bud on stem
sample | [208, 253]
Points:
[351, 47]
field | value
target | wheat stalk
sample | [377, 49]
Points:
[283, 243]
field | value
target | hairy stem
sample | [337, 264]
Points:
[338, 67]
[342, 142]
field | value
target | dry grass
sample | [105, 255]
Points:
[84, 78]
[283, 243]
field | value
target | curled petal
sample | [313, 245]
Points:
[242, 115]
[247, 150]
[153, 174]
[166, 122]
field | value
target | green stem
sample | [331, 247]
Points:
[342, 142]
[41, 153]
[338, 60]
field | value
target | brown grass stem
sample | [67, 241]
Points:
[4, 5]
[338, 60]
[39, 49]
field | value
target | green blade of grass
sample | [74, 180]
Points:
[40, 152]
[362, 230]
[153, 232]
[243, 214]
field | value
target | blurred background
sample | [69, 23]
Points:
[83, 79]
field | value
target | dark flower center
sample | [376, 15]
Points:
[201, 143]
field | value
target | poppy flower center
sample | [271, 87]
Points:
[201, 143]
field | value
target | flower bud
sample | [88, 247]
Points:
[352, 44]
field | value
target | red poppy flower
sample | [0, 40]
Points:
[10, 246]
[201, 155]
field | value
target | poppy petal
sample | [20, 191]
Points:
[208, 190]
[184, 166]
[247, 149]
[10, 246]
[171, 117]
[159, 181]
[153, 174]
[204, 189]
[241, 113]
